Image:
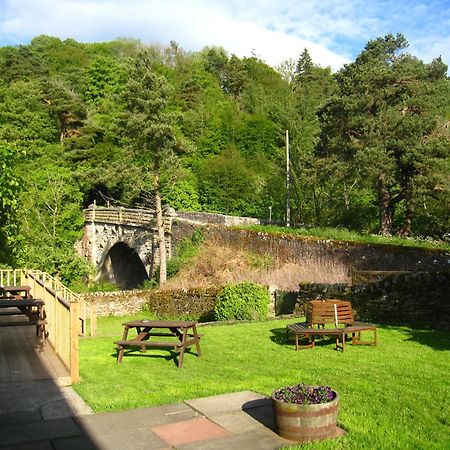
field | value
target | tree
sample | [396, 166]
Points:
[149, 129]
[311, 87]
[9, 201]
[382, 124]
[229, 184]
[66, 105]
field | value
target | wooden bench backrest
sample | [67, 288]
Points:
[331, 311]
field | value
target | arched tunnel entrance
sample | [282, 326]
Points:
[123, 267]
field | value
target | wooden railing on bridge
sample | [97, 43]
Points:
[66, 313]
[124, 216]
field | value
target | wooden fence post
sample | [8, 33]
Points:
[93, 319]
[74, 326]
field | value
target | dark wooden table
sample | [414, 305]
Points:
[18, 292]
[183, 334]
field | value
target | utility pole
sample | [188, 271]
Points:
[288, 207]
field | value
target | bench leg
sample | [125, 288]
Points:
[356, 339]
[309, 338]
[340, 346]
[120, 351]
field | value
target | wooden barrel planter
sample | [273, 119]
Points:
[305, 422]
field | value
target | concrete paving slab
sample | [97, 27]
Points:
[195, 430]
[15, 418]
[69, 399]
[74, 443]
[252, 440]
[237, 422]
[43, 445]
[135, 439]
[38, 431]
[263, 414]
[101, 424]
[45, 396]
[218, 404]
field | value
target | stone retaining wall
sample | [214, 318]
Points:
[290, 248]
[418, 299]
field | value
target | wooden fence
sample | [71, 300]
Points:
[66, 312]
[372, 276]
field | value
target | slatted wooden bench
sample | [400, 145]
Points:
[309, 332]
[333, 318]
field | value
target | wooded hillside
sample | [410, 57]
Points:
[370, 145]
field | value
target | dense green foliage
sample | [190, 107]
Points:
[242, 301]
[127, 123]
[384, 126]
[387, 393]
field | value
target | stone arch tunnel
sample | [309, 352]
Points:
[123, 266]
[122, 244]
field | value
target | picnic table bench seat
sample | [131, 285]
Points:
[162, 344]
[334, 318]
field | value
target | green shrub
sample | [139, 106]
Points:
[242, 301]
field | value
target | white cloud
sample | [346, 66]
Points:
[334, 31]
[194, 24]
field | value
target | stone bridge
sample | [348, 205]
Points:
[122, 243]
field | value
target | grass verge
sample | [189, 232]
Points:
[395, 395]
[342, 234]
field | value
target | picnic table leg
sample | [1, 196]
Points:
[183, 347]
[120, 348]
[197, 340]
[120, 354]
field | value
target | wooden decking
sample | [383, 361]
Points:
[23, 358]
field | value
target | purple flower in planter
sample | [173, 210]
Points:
[303, 394]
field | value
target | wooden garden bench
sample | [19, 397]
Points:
[332, 318]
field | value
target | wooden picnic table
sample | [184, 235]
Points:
[183, 334]
[18, 292]
[33, 309]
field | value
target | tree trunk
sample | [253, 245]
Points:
[316, 205]
[62, 127]
[386, 208]
[160, 226]
[405, 230]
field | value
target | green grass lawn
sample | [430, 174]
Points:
[342, 234]
[395, 395]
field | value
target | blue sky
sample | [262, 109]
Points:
[334, 31]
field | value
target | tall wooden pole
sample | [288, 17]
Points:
[288, 193]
